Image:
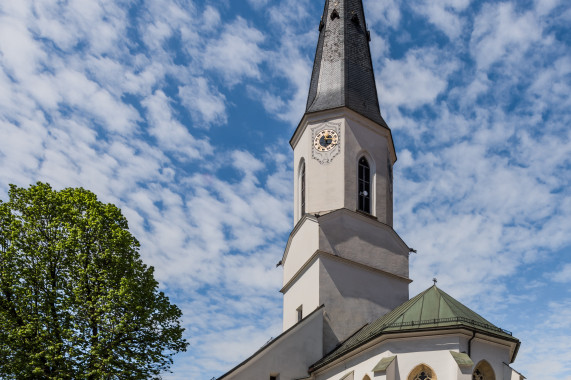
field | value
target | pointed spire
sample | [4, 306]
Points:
[343, 70]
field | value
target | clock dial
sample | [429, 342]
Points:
[325, 140]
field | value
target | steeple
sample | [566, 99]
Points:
[343, 71]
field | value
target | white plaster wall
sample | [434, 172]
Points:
[360, 138]
[432, 351]
[290, 356]
[361, 239]
[301, 151]
[353, 296]
[324, 183]
[304, 243]
[334, 185]
[350, 235]
[303, 292]
[495, 354]
[512, 374]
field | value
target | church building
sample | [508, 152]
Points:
[347, 314]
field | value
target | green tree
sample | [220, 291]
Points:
[76, 301]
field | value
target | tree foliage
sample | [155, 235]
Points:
[76, 301]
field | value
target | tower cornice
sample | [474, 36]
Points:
[342, 112]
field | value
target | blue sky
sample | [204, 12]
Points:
[180, 112]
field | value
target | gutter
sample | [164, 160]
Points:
[470, 343]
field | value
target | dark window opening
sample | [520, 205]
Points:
[300, 313]
[390, 171]
[302, 185]
[364, 186]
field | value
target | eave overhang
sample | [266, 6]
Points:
[380, 338]
[339, 112]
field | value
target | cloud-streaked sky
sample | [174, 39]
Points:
[180, 112]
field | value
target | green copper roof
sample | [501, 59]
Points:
[432, 309]
[384, 364]
[462, 359]
[348, 376]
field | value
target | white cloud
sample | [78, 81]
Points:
[415, 80]
[383, 12]
[564, 275]
[211, 18]
[245, 162]
[170, 134]
[501, 33]
[205, 103]
[236, 54]
[379, 47]
[444, 14]
[544, 7]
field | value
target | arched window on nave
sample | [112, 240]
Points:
[483, 371]
[422, 372]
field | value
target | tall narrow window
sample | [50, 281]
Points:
[364, 186]
[299, 313]
[302, 188]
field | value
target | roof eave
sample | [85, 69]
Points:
[514, 340]
[322, 115]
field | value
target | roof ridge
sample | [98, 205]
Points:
[452, 302]
[403, 307]
[460, 316]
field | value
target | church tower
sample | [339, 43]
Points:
[343, 252]
[346, 308]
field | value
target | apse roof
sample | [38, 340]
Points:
[432, 309]
[343, 70]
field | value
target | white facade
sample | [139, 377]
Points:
[412, 351]
[332, 185]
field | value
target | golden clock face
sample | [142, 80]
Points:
[325, 140]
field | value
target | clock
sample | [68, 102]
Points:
[325, 140]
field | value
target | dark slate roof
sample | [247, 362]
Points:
[432, 309]
[343, 71]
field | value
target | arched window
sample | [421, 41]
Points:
[366, 377]
[302, 188]
[483, 371]
[422, 372]
[364, 186]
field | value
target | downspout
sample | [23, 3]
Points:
[470, 344]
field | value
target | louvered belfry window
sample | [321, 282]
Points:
[364, 186]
